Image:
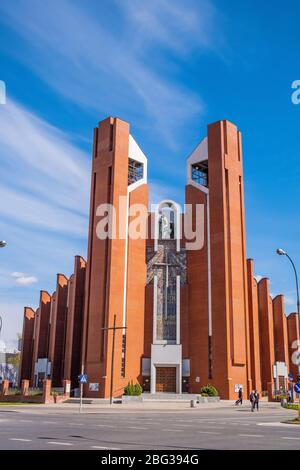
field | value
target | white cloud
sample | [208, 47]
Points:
[74, 52]
[46, 176]
[258, 277]
[26, 280]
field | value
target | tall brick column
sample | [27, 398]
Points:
[74, 326]
[255, 352]
[293, 336]
[266, 328]
[26, 362]
[41, 331]
[280, 331]
[58, 330]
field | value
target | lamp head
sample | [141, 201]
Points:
[2, 243]
[280, 251]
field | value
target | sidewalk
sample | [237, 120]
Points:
[148, 406]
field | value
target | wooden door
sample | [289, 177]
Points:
[166, 379]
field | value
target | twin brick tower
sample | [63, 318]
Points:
[186, 316]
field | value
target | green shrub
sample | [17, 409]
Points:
[209, 391]
[133, 389]
[291, 406]
[138, 389]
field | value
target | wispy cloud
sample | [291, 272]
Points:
[72, 49]
[181, 27]
[44, 177]
[44, 189]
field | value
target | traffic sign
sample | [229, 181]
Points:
[83, 379]
[297, 387]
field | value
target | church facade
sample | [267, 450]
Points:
[175, 284]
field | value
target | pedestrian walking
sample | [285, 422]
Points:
[290, 396]
[256, 399]
[240, 397]
[251, 398]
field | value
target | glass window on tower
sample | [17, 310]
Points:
[200, 173]
[135, 171]
[166, 301]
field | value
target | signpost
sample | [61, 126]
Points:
[297, 387]
[82, 380]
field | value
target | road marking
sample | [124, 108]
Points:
[136, 427]
[60, 443]
[251, 435]
[184, 425]
[105, 426]
[207, 432]
[25, 421]
[295, 438]
[75, 424]
[173, 430]
[50, 422]
[19, 439]
[105, 448]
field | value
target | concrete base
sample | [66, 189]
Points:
[148, 397]
[132, 399]
[178, 397]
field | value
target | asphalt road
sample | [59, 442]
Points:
[27, 427]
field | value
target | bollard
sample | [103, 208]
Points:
[298, 412]
[193, 402]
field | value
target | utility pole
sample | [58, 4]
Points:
[113, 328]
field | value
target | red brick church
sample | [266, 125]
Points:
[189, 312]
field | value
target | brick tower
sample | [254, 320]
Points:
[217, 273]
[116, 267]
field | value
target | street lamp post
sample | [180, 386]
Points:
[281, 252]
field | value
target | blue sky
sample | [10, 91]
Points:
[167, 67]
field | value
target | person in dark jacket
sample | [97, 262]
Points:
[240, 397]
[256, 400]
[251, 398]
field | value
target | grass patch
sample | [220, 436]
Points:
[292, 421]
[11, 403]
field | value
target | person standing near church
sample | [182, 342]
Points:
[256, 399]
[240, 397]
[251, 398]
